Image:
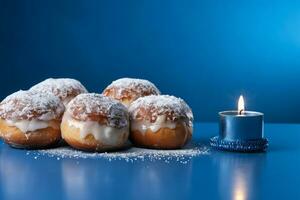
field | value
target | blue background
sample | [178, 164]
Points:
[208, 52]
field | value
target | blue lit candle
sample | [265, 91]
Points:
[240, 130]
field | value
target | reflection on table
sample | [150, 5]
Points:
[238, 174]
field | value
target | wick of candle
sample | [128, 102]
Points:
[241, 111]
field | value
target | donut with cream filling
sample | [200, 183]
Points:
[30, 119]
[94, 122]
[127, 90]
[160, 122]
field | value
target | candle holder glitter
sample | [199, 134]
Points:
[243, 132]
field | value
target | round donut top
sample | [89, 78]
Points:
[60, 87]
[130, 88]
[97, 107]
[28, 105]
[150, 107]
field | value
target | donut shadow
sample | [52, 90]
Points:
[194, 143]
[129, 146]
[126, 147]
[30, 147]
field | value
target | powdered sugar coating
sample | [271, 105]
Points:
[133, 154]
[150, 107]
[132, 88]
[28, 105]
[92, 106]
[64, 88]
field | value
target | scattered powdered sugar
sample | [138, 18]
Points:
[60, 87]
[88, 105]
[130, 155]
[27, 105]
[136, 87]
[156, 105]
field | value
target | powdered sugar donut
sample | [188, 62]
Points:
[94, 122]
[64, 88]
[30, 119]
[162, 122]
[127, 90]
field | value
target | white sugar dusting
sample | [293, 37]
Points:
[97, 104]
[138, 86]
[29, 104]
[160, 105]
[60, 87]
[130, 155]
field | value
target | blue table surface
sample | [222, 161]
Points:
[217, 175]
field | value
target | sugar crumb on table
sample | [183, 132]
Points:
[130, 155]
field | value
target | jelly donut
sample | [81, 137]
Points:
[64, 88]
[94, 122]
[127, 90]
[30, 119]
[160, 122]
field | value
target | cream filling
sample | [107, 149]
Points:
[161, 122]
[28, 125]
[106, 134]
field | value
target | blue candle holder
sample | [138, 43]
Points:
[243, 132]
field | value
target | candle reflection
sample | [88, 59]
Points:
[240, 191]
[238, 174]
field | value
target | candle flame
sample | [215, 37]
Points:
[241, 104]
